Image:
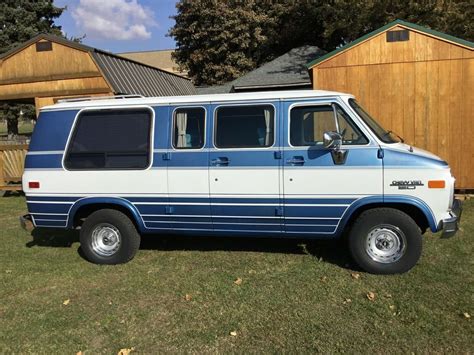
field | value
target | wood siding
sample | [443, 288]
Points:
[423, 89]
[63, 71]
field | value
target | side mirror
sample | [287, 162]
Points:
[332, 140]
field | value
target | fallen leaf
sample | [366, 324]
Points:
[466, 315]
[355, 276]
[370, 296]
[66, 302]
[188, 297]
[238, 281]
[80, 353]
[233, 333]
[347, 300]
[125, 351]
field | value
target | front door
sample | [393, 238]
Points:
[244, 169]
[319, 185]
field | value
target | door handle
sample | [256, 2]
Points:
[296, 161]
[221, 161]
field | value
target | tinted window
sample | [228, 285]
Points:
[244, 127]
[188, 129]
[110, 139]
[308, 124]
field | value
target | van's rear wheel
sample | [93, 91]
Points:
[385, 241]
[109, 237]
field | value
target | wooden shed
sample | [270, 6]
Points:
[47, 68]
[415, 81]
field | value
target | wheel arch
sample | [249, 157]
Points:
[84, 207]
[414, 207]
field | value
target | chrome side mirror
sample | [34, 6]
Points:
[332, 140]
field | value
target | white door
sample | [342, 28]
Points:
[244, 169]
[319, 185]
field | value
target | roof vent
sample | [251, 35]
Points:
[44, 46]
[398, 36]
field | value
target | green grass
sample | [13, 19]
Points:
[292, 297]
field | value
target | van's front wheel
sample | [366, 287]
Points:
[385, 241]
[109, 237]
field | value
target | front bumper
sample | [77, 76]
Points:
[451, 225]
[26, 223]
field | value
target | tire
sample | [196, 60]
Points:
[109, 237]
[385, 241]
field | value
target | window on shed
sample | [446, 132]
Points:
[110, 139]
[189, 128]
[44, 46]
[398, 36]
[245, 127]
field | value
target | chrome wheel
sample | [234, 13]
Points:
[106, 239]
[386, 244]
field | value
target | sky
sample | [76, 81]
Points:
[119, 25]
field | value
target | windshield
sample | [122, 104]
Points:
[384, 135]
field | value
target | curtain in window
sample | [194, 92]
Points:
[268, 131]
[181, 124]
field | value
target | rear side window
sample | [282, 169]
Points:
[188, 128]
[245, 127]
[110, 139]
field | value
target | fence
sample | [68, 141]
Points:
[12, 164]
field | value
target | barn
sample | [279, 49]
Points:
[47, 68]
[417, 82]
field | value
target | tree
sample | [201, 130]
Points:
[21, 20]
[218, 41]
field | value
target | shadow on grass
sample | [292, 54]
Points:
[332, 251]
[54, 238]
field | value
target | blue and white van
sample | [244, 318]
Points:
[296, 164]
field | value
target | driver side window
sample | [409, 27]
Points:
[308, 124]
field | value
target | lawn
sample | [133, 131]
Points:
[180, 295]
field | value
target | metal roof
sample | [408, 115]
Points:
[409, 25]
[125, 76]
[130, 77]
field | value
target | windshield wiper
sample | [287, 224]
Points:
[392, 132]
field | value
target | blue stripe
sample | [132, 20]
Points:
[312, 229]
[170, 218]
[320, 201]
[242, 159]
[50, 223]
[307, 211]
[245, 227]
[243, 211]
[51, 131]
[49, 216]
[48, 207]
[168, 226]
[332, 222]
[52, 198]
[46, 161]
